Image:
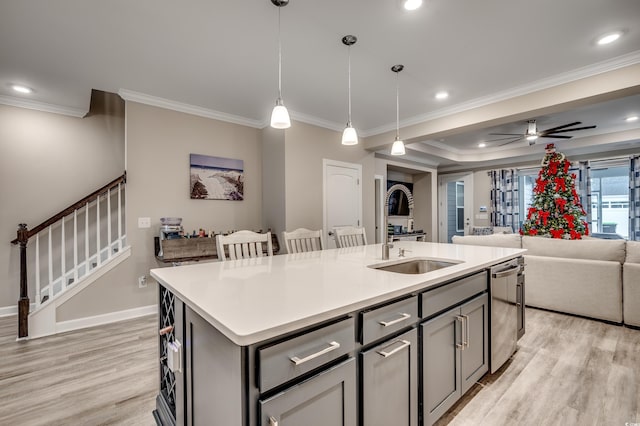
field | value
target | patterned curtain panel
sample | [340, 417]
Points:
[505, 198]
[583, 187]
[634, 198]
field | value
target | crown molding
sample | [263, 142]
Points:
[629, 59]
[42, 106]
[142, 98]
[309, 119]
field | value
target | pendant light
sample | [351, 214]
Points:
[349, 136]
[280, 115]
[398, 146]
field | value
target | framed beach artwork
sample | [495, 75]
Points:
[216, 178]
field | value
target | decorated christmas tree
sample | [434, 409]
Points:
[556, 211]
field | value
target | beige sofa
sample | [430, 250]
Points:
[631, 280]
[582, 277]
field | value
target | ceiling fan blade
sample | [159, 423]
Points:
[555, 137]
[551, 130]
[505, 134]
[511, 141]
[504, 139]
[569, 130]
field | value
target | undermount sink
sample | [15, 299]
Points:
[414, 266]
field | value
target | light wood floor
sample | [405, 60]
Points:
[567, 371]
[99, 376]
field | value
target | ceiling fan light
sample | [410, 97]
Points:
[608, 38]
[412, 4]
[349, 136]
[397, 148]
[482, 145]
[631, 119]
[21, 89]
[280, 116]
[531, 138]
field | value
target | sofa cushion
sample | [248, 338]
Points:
[631, 292]
[494, 240]
[633, 252]
[593, 249]
[591, 288]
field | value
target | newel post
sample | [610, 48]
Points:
[23, 302]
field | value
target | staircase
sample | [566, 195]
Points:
[68, 252]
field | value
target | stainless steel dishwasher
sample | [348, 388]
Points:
[504, 313]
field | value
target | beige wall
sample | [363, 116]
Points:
[481, 197]
[47, 162]
[159, 142]
[305, 148]
[273, 180]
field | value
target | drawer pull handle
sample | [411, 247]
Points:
[461, 319]
[465, 343]
[403, 317]
[273, 421]
[405, 343]
[332, 347]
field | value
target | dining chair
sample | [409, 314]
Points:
[302, 240]
[349, 236]
[243, 245]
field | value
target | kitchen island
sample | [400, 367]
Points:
[300, 338]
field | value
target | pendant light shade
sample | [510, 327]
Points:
[349, 136]
[398, 146]
[280, 115]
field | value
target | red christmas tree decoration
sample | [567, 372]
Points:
[556, 211]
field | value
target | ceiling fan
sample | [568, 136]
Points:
[532, 133]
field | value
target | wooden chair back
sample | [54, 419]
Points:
[243, 245]
[350, 236]
[302, 240]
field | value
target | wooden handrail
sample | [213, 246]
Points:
[56, 217]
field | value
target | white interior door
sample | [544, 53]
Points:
[455, 205]
[342, 200]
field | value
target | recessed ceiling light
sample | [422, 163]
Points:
[632, 118]
[442, 95]
[608, 38]
[21, 89]
[412, 4]
[482, 145]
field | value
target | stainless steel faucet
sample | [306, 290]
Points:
[386, 245]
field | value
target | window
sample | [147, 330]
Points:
[459, 206]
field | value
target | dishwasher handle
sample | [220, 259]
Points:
[511, 271]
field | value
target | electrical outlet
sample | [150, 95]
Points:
[142, 281]
[144, 222]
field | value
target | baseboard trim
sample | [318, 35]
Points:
[76, 324]
[7, 311]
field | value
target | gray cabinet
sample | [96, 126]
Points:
[455, 355]
[326, 399]
[390, 382]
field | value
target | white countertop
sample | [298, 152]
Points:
[251, 300]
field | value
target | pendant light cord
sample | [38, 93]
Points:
[349, 73]
[397, 105]
[279, 58]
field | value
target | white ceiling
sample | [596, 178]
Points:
[221, 57]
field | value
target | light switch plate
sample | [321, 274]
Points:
[144, 222]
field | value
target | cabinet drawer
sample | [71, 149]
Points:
[289, 359]
[387, 319]
[441, 298]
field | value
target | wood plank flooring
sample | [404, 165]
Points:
[98, 376]
[568, 370]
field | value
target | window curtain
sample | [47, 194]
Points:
[505, 198]
[634, 198]
[583, 188]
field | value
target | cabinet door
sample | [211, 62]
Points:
[213, 375]
[475, 339]
[390, 382]
[441, 340]
[327, 399]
